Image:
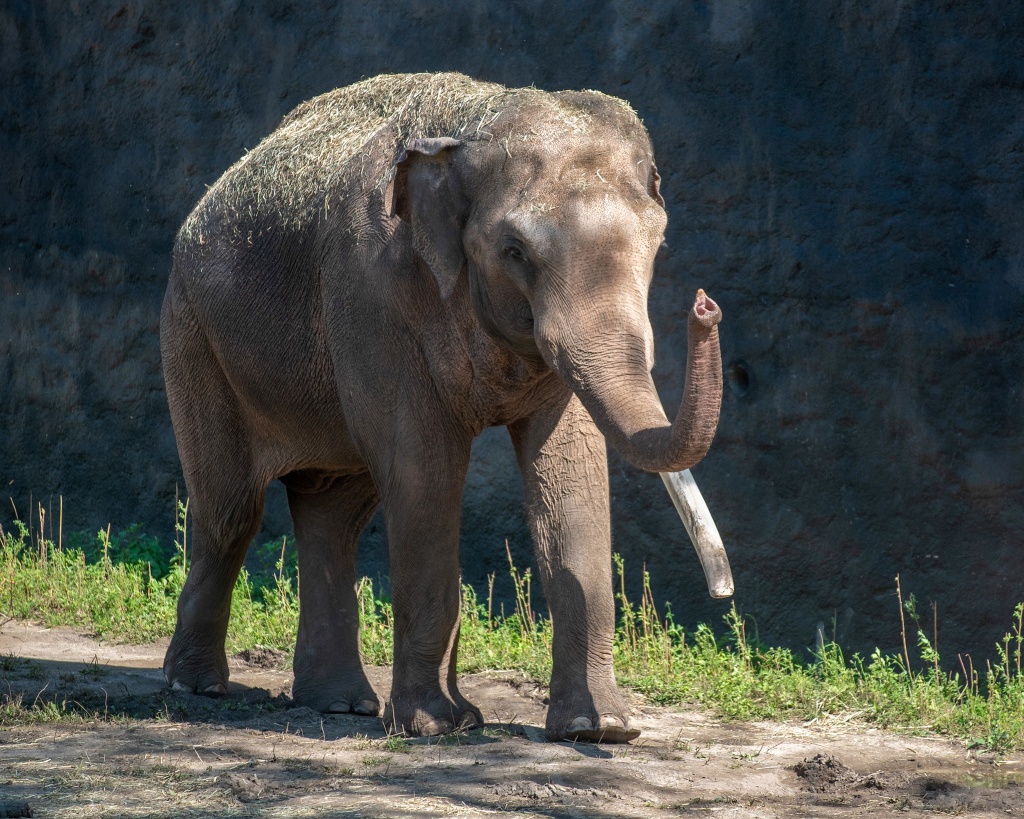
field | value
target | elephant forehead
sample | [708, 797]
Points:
[532, 157]
[604, 218]
[587, 202]
[592, 165]
[592, 222]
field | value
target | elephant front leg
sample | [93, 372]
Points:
[564, 465]
[422, 504]
[329, 673]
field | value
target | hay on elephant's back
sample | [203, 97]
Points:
[294, 172]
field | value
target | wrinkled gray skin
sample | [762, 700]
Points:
[498, 277]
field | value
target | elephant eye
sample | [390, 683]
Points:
[511, 251]
[517, 264]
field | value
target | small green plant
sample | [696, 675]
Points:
[14, 711]
[372, 760]
[32, 670]
[293, 764]
[94, 670]
[457, 738]
[276, 557]
[396, 744]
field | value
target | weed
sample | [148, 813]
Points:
[396, 743]
[460, 737]
[33, 670]
[94, 670]
[301, 765]
[14, 711]
[372, 760]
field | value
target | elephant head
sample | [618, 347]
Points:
[556, 217]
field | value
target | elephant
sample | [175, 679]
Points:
[401, 264]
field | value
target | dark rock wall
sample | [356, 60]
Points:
[846, 178]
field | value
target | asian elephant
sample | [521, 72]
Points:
[399, 265]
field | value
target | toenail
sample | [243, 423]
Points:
[437, 728]
[339, 707]
[579, 724]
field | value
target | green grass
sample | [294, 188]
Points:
[124, 589]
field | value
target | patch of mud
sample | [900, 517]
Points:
[943, 795]
[884, 780]
[264, 657]
[825, 774]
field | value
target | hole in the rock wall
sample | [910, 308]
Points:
[739, 377]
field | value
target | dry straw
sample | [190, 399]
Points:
[298, 170]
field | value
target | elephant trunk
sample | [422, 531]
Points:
[609, 373]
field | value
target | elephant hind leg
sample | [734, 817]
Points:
[329, 673]
[226, 489]
[222, 526]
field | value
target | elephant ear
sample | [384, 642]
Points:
[425, 192]
[654, 185]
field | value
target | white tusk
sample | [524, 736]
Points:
[690, 505]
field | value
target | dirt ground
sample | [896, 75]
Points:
[163, 754]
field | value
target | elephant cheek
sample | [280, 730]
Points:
[503, 313]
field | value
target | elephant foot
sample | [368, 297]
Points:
[342, 694]
[590, 719]
[430, 717]
[195, 667]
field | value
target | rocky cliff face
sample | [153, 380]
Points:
[845, 178]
